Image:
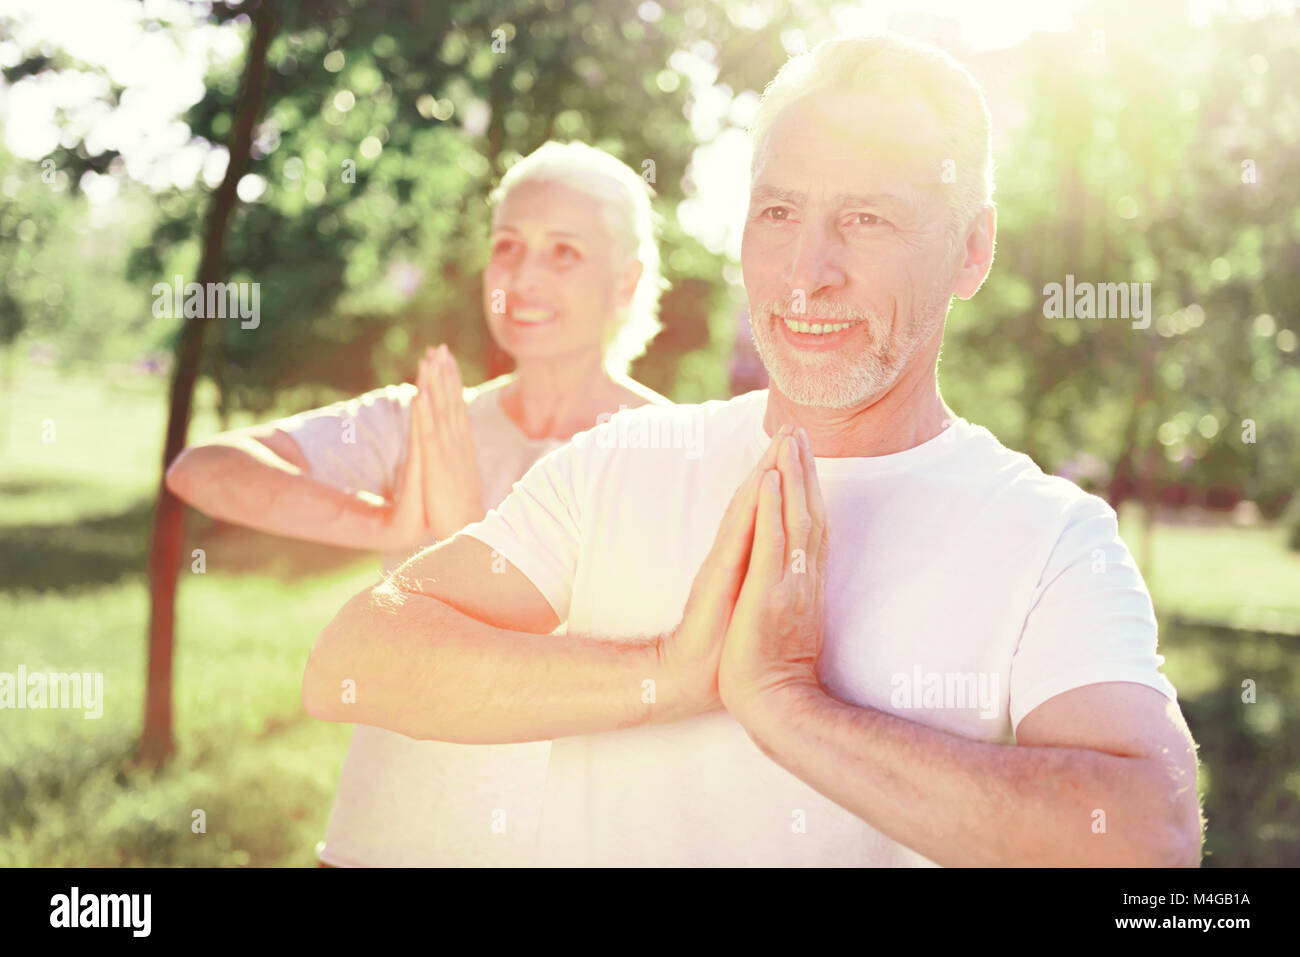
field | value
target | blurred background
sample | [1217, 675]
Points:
[339, 153]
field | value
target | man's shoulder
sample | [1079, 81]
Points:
[1024, 486]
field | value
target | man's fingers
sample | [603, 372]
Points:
[797, 524]
[816, 503]
[767, 558]
[736, 530]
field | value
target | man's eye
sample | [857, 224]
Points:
[502, 246]
[567, 252]
[778, 213]
[866, 219]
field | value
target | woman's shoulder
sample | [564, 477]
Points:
[487, 391]
[633, 394]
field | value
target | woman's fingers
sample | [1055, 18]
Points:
[428, 422]
[437, 402]
[438, 363]
[457, 412]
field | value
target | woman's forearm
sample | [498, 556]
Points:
[242, 481]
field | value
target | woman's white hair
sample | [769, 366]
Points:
[890, 64]
[630, 220]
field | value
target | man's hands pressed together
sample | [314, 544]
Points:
[752, 633]
[775, 634]
[753, 621]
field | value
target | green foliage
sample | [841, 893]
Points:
[382, 136]
[1173, 163]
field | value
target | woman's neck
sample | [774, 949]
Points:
[557, 398]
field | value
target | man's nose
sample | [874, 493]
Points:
[817, 263]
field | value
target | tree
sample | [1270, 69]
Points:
[169, 515]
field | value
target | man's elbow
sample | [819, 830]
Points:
[318, 698]
[335, 664]
[1176, 833]
[194, 474]
[1183, 847]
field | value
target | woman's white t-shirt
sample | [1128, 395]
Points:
[402, 802]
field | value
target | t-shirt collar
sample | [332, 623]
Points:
[927, 453]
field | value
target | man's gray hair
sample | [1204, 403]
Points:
[891, 64]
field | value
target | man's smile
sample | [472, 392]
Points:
[816, 333]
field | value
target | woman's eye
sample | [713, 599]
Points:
[566, 252]
[501, 247]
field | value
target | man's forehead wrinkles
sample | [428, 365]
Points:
[905, 195]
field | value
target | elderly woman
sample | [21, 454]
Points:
[570, 292]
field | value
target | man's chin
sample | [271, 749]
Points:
[822, 392]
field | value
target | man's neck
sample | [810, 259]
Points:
[910, 413]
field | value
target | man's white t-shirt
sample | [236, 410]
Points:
[402, 802]
[964, 588]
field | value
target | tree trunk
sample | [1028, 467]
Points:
[168, 532]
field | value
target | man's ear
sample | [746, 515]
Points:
[977, 253]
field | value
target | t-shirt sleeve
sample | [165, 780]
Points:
[538, 526]
[358, 444]
[1091, 619]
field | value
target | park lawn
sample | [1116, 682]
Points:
[1240, 576]
[74, 519]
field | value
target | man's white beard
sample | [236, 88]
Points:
[843, 380]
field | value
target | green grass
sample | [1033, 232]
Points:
[74, 520]
[1240, 576]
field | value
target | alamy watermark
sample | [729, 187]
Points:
[214, 300]
[1090, 300]
[53, 690]
[946, 689]
[75, 909]
[643, 432]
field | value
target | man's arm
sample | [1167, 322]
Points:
[456, 647]
[260, 478]
[452, 650]
[1119, 748]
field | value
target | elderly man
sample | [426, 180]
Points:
[845, 626]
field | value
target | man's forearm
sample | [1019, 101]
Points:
[245, 483]
[962, 802]
[418, 666]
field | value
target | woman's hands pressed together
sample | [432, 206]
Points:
[441, 490]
